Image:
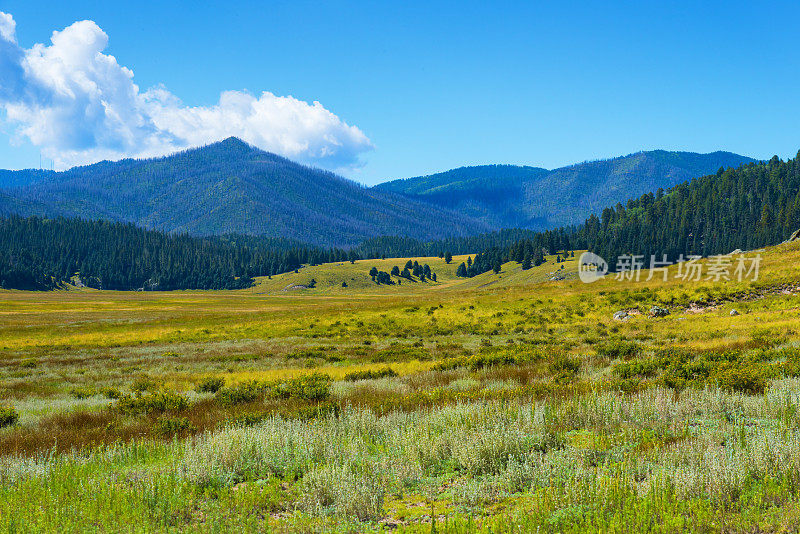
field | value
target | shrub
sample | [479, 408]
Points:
[111, 393]
[241, 393]
[142, 384]
[345, 490]
[744, 378]
[159, 402]
[8, 416]
[637, 367]
[618, 348]
[370, 374]
[449, 364]
[478, 361]
[210, 384]
[401, 354]
[318, 410]
[250, 419]
[564, 368]
[171, 426]
[313, 387]
[81, 392]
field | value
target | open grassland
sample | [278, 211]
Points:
[502, 402]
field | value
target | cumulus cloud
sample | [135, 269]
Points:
[80, 106]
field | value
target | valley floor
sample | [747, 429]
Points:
[506, 402]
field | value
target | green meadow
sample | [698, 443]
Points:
[318, 400]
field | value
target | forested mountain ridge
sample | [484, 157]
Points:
[42, 254]
[753, 206]
[232, 187]
[490, 193]
[507, 196]
[9, 179]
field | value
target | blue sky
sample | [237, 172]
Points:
[410, 88]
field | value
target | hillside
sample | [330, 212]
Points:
[9, 179]
[230, 187]
[328, 277]
[528, 197]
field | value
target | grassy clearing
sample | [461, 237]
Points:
[503, 402]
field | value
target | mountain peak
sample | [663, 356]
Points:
[232, 143]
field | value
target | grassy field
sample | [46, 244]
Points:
[505, 402]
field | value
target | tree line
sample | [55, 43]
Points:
[42, 254]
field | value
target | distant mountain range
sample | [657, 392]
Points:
[508, 196]
[229, 187]
[232, 187]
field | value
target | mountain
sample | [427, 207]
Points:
[506, 196]
[231, 187]
[746, 208]
[9, 179]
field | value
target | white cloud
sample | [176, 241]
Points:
[80, 106]
[8, 27]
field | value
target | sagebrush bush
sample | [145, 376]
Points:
[346, 490]
[8, 416]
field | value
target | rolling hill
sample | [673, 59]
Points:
[506, 196]
[229, 187]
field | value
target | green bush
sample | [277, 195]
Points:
[370, 374]
[449, 364]
[250, 419]
[618, 348]
[564, 368]
[142, 384]
[210, 384]
[402, 353]
[318, 410]
[637, 368]
[8, 416]
[81, 392]
[171, 426]
[313, 387]
[111, 393]
[242, 393]
[744, 378]
[159, 402]
[480, 361]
